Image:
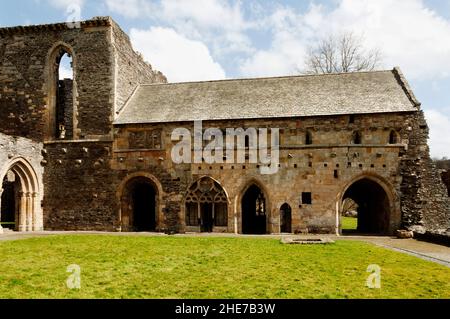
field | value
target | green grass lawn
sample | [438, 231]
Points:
[349, 223]
[188, 267]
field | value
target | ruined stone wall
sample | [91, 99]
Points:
[79, 187]
[65, 116]
[131, 69]
[303, 168]
[25, 82]
[425, 204]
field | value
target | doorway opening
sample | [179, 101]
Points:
[254, 215]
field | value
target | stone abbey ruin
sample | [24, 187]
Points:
[94, 152]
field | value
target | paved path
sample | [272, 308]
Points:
[431, 252]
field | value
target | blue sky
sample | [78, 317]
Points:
[192, 40]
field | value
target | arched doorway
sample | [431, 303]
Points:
[206, 205]
[254, 211]
[19, 201]
[139, 205]
[370, 203]
[286, 218]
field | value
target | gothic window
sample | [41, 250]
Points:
[61, 95]
[206, 205]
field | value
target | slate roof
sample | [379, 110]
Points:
[281, 97]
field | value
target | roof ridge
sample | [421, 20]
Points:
[271, 77]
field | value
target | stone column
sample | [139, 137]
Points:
[29, 213]
[22, 212]
[35, 217]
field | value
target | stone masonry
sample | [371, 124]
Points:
[120, 115]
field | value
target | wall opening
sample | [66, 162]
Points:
[393, 139]
[286, 219]
[357, 138]
[206, 205]
[62, 95]
[308, 138]
[254, 215]
[9, 200]
[20, 205]
[370, 203]
[139, 206]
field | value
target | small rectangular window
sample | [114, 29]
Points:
[306, 198]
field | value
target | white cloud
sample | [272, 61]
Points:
[407, 32]
[179, 58]
[64, 4]
[218, 23]
[131, 8]
[439, 124]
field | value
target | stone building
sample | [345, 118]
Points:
[96, 152]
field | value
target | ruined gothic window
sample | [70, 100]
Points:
[62, 125]
[357, 138]
[393, 139]
[206, 204]
[308, 138]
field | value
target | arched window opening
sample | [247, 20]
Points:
[206, 205]
[62, 93]
[357, 138]
[393, 139]
[308, 138]
[64, 98]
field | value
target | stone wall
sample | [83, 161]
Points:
[80, 187]
[445, 175]
[425, 204]
[131, 69]
[326, 168]
[26, 78]
[66, 109]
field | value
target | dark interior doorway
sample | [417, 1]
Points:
[254, 216]
[372, 205]
[9, 201]
[144, 207]
[286, 219]
[207, 217]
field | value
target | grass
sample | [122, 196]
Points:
[189, 267]
[349, 223]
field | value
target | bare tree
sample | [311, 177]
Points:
[341, 54]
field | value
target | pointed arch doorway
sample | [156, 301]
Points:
[20, 209]
[254, 211]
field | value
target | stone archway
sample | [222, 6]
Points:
[140, 204]
[20, 196]
[373, 202]
[254, 211]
